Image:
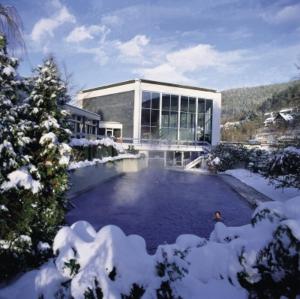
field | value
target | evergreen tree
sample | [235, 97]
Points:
[49, 149]
[14, 215]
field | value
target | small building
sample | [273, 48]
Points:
[283, 119]
[83, 123]
[169, 120]
[87, 124]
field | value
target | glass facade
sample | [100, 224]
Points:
[174, 117]
[150, 115]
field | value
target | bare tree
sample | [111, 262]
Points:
[11, 27]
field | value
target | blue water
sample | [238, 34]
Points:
[161, 204]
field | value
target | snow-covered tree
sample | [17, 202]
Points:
[284, 168]
[49, 149]
[16, 172]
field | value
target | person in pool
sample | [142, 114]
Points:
[217, 216]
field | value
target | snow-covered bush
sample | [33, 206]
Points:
[258, 260]
[274, 271]
[258, 159]
[227, 156]
[283, 168]
[84, 149]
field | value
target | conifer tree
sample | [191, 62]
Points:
[49, 149]
[14, 214]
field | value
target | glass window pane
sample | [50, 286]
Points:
[145, 133]
[154, 132]
[174, 103]
[173, 119]
[146, 99]
[183, 120]
[155, 100]
[201, 105]
[184, 104]
[165, 119]
[191, 120]
[208, 106]
[154, 117]
[192, 105]
[145, 117]
[166, 102]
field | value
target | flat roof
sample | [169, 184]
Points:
[72, 107]
[151, 82]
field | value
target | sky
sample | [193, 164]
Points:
[217, 44]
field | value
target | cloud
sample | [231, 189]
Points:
[179, 64]
[82, 33]
[111, 20]
[133, 47]
[285, 14]
[46, 26]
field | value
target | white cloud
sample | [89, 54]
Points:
[111, 20]
[81, 33]
[178, 64]
[133, 47]
[288, 13]
[46, 26]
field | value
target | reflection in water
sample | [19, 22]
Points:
[160, 205]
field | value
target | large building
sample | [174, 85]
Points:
[159, 118]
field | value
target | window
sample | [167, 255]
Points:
[169, 116]
[150, 115]
[188, 118]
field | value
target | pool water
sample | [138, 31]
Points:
[160, 205]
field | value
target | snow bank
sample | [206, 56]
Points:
[85, 163]
[263, 185]
[104, 141]
[21, 178]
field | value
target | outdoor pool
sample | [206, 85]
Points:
[160, 205]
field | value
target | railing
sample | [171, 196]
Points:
[165, 142]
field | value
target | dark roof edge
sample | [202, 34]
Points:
[108, 86]
[151, 82]
[177, 85]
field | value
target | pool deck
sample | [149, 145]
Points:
[252, 196]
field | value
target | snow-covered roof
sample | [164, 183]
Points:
[285, 116]
[269, 120]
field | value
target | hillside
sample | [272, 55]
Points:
[238, 101]
[243, 112]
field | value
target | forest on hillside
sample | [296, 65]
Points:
[245, 108]
[239, 101]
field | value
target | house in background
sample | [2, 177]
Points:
[171, 121]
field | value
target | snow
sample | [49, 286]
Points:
[292, 149]
[85, 163]
[192, 265]
[21, 178]
[104, 141]
[261, 184]
[9, 70]
[65, 153]
[48, 137]
[3, 208]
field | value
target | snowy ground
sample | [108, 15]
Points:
[262, 185]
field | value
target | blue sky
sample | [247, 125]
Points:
[219, 44]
